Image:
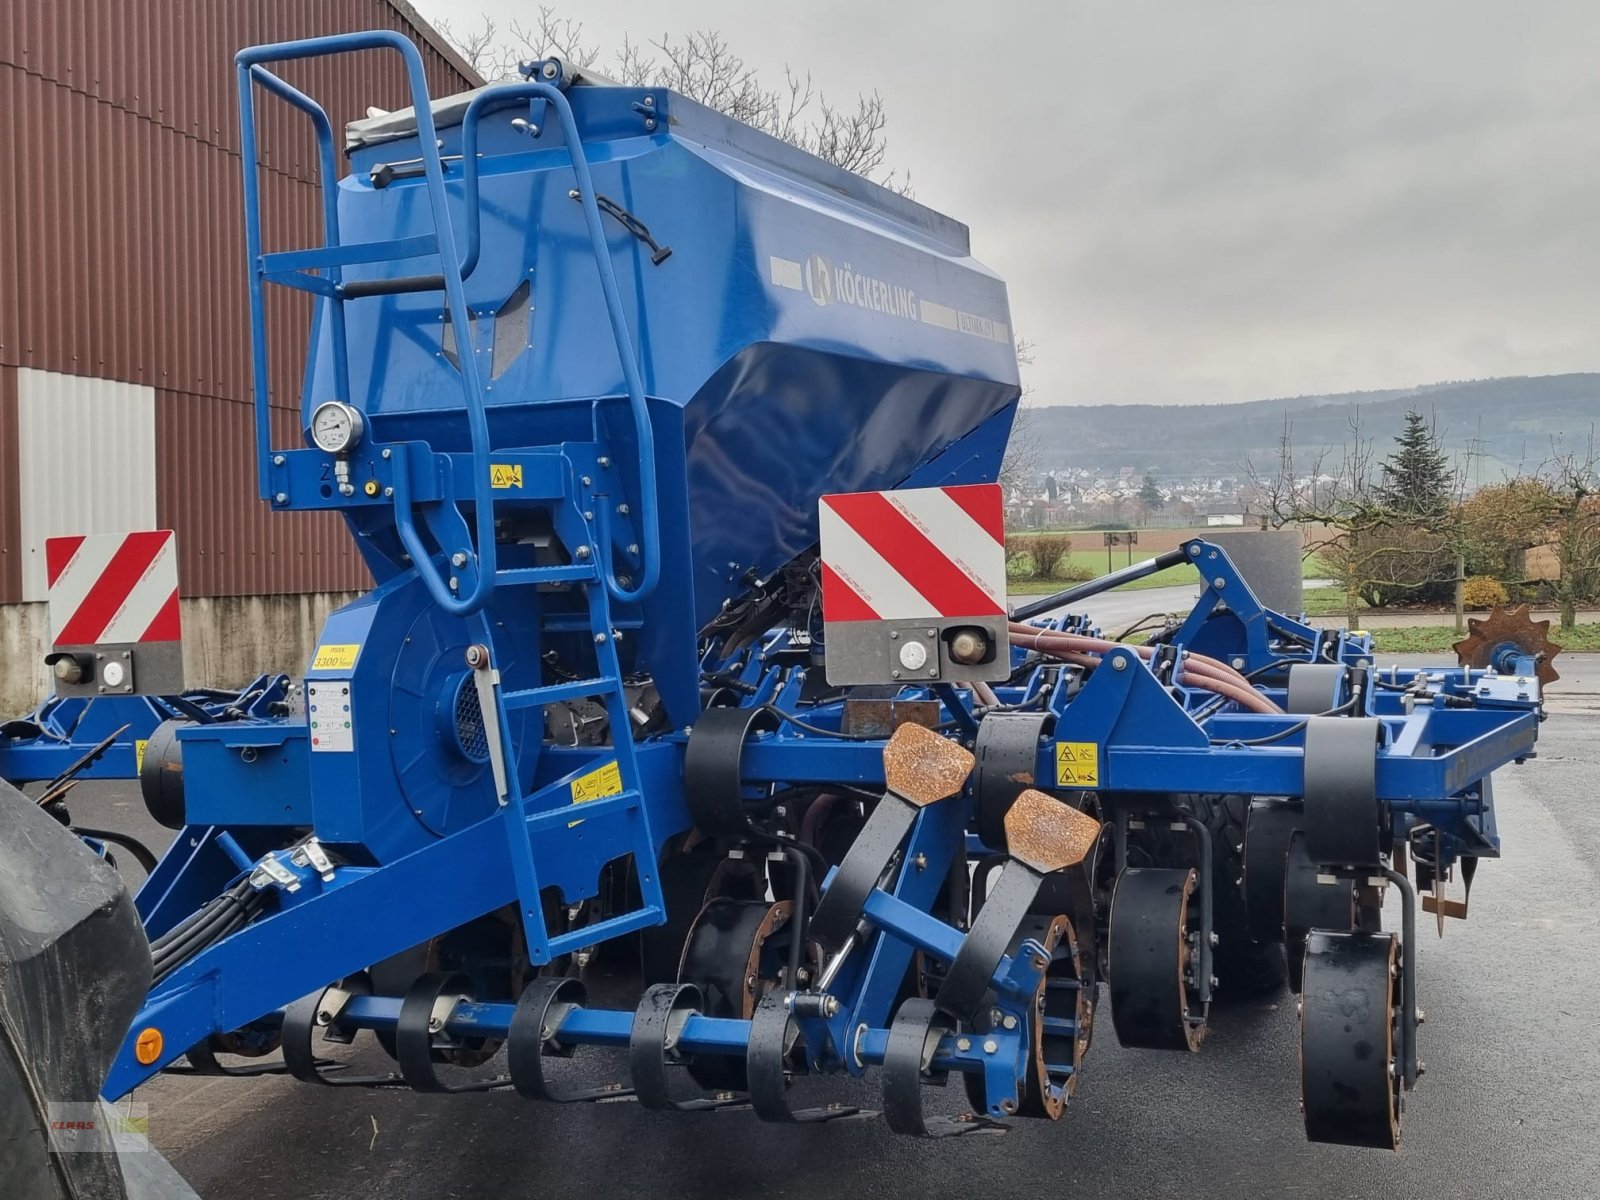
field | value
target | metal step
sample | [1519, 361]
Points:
[554, 693]
[566, 573]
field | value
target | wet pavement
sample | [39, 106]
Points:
[1509, 1106]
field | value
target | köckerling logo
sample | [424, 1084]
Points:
[819, 279]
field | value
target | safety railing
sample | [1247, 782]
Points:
[319, 270]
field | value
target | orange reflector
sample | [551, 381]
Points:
[147, 1046]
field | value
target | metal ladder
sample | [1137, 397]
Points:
[319, 271]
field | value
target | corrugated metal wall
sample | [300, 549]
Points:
[10, 491]
[121, 244]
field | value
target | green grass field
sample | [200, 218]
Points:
[1092, 563]
[1435, 639]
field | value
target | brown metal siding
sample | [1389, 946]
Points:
[122, 248]
[228, 539]
[10, 497]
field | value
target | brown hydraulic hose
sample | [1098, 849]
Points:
[1203, 663]
[1198, 670]
[983, 693]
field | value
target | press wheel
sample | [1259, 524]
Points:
[1312, 899]
[735, 953]
[1350, 1013]
[1153, 960]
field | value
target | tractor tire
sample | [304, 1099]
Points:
[1245, 968]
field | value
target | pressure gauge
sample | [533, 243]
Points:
[336, 427]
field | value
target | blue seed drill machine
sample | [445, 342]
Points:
[671, 449]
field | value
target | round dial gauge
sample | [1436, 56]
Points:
[336, 427]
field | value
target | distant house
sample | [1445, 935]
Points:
[1225, 516]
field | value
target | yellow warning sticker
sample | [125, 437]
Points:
[1077, 764]
[138, 754]
[602, 781]
[505, 475]
[335, 658]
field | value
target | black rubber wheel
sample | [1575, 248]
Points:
[1245, 967]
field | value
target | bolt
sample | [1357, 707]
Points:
[1119, 663]
[931, 632]
[599, 639]
[649, 122]
[388, 492]
[281, 498]
[1219, 583]
[633, 547]
[830, 1006]
[963, 1043]
[277, 460]
[1194, 550]
[1422, 1069]
[1422, 1017]
[622, 510]
[550, 70]
[588, 514]
[990, 1046]
[586, 481]
[933, 672]
[894, 674]
[603, 461]
[454, 583]
[994, 1016]
[387, 453]
[649, 101]
[1214, 938]
[920, 862]
[894, 635]
[458, 559]
[1238, 664]
[1010, 1022]
[583, 552]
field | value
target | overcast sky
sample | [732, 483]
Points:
[1234, 199]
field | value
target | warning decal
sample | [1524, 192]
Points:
[601, 782]
[1077, 764]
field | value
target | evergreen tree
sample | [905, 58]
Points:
[1417, 480]
[1149, 494]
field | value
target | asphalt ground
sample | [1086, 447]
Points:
[1509, 1106]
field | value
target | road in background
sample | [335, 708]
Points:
[1115, 611]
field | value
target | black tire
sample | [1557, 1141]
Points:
[1245, 968]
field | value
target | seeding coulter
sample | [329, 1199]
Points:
[671, 450]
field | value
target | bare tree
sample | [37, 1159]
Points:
[1024, 456]
[703, 67]
[1572, 480]
[1373, 551]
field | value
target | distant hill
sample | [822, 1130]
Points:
[1508, 422]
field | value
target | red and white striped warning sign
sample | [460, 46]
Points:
[113, 587]
[913, 554]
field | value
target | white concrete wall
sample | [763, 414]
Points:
[227, 641]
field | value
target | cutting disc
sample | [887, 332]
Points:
[1505, 628]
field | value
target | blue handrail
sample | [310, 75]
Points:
[644, 434]
[251, 69]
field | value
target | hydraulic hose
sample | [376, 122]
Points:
[1196, 670]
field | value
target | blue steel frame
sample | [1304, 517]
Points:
[1433, 759]
[1432, 764]
[52, 738]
